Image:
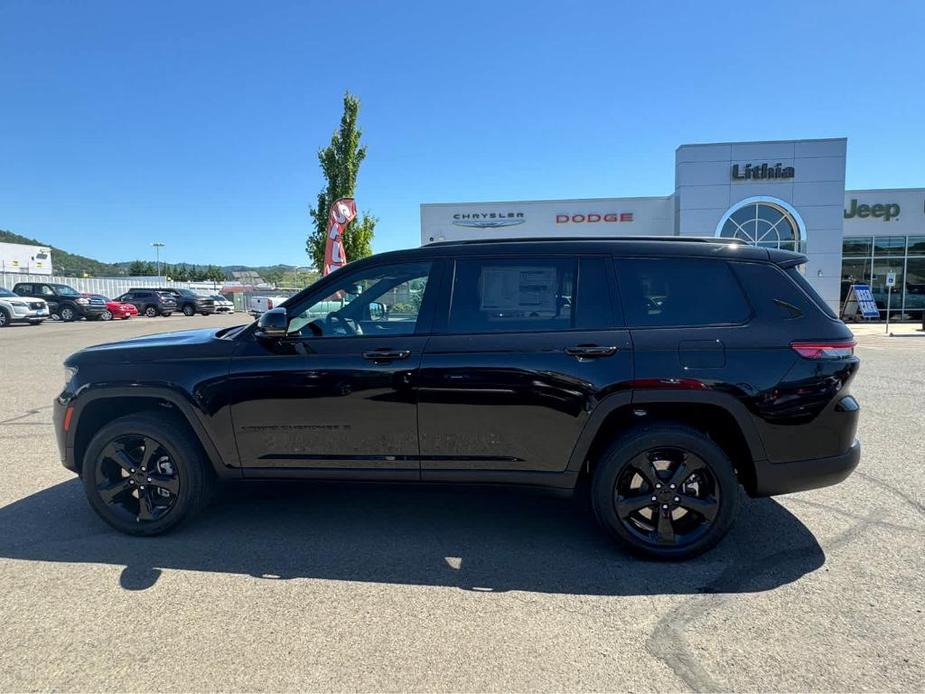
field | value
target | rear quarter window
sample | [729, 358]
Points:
[664, 292]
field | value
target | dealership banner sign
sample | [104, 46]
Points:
[342, 212]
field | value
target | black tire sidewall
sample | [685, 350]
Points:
[5, 318]
[189, 310]
[153, 310]
[625, 448]
[184, 452]
[73, 313]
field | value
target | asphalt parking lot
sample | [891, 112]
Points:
[301, 587]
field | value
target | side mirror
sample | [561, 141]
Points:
[377, 311]
[273, 323]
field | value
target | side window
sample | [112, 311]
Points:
[383, 300]
[23, 289]
[46, 290]
[680, 291]
[513, 295]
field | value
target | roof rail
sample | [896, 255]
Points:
[532, 239]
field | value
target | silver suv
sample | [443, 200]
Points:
[21, 309]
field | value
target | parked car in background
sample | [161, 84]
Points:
[21, 309]
[63, 301]
[115, 309]
[150, 302]
[709, 367]
[222, 305]
[189, 302]
[261, 304]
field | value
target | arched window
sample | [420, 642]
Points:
[764, 221]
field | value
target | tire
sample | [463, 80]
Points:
[700, 507]
[167, 314]
[151, 311]
[67, 314]
[179, 487]
[205, 313]
[189, 310]
[105, 315]
[4, 318]
[37, 322]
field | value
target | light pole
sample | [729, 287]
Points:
[158, 245]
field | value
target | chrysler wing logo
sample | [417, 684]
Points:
[488, 220]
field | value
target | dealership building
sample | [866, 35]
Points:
[784, 194]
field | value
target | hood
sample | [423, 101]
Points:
[22, 298]
[158, 347]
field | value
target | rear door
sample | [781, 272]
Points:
[524, 348]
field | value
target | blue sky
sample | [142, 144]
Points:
[197, 123]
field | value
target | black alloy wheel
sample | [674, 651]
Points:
[145, 473]
[665, 491]
[137, 478]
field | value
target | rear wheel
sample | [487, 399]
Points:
[665, 491]
[145, 475]
[106, 315]
[4, 318]
[151, 311]
[67, 313]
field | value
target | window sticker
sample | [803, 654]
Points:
[519, 289]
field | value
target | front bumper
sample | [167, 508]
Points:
[798, 476]
[20, 314]
[58, 414]
[91, 311]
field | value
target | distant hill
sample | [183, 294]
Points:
[73, 265]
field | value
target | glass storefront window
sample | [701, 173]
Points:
[917, 245]
[856, 246]
[854, 271]
[878, 285]
[915, 284]
[889, 245]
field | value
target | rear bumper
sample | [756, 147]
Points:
[798, 476]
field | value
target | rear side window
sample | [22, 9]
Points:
[513, 295]
[802, 283]
[680, 292]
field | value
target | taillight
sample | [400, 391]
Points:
[824, 350]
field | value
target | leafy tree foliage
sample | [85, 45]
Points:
[340, 163]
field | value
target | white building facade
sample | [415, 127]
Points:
[786, 194]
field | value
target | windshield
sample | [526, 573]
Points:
[6, 292]
[186, 292]
[64, 290]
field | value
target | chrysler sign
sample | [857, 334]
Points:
[488, 220]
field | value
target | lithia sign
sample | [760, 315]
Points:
[760, 172]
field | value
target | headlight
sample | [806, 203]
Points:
[69, 373]
[82, 301]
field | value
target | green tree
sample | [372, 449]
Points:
[215, 274]
[137, 268]
[340, 163]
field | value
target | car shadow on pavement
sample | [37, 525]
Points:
[494, 540]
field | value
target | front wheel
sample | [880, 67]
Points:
[67, 314]
[4, 318]
[188, 310]
[665, 491]
[144, 474]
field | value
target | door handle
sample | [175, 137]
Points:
[387, 354]
[590, 351]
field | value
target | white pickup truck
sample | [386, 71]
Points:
[261, 304]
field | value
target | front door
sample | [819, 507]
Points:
[338, 393]
[528, 347]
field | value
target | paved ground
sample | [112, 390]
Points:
[406, 589]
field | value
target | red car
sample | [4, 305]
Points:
[115, 309]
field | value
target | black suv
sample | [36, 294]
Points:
[189, 302]
[150, 302]
[63, 301]
[659, 375]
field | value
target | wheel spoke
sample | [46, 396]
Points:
[110, 491]
[145, 509]
[117, 453]
[665, 527]
[628, 505]
[170, 484]
[705, 507]
[644, 467]
[150, 449]
[685, 469]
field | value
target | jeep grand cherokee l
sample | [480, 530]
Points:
[664, 373]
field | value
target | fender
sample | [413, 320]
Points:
[727, 402]
[175, 397]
